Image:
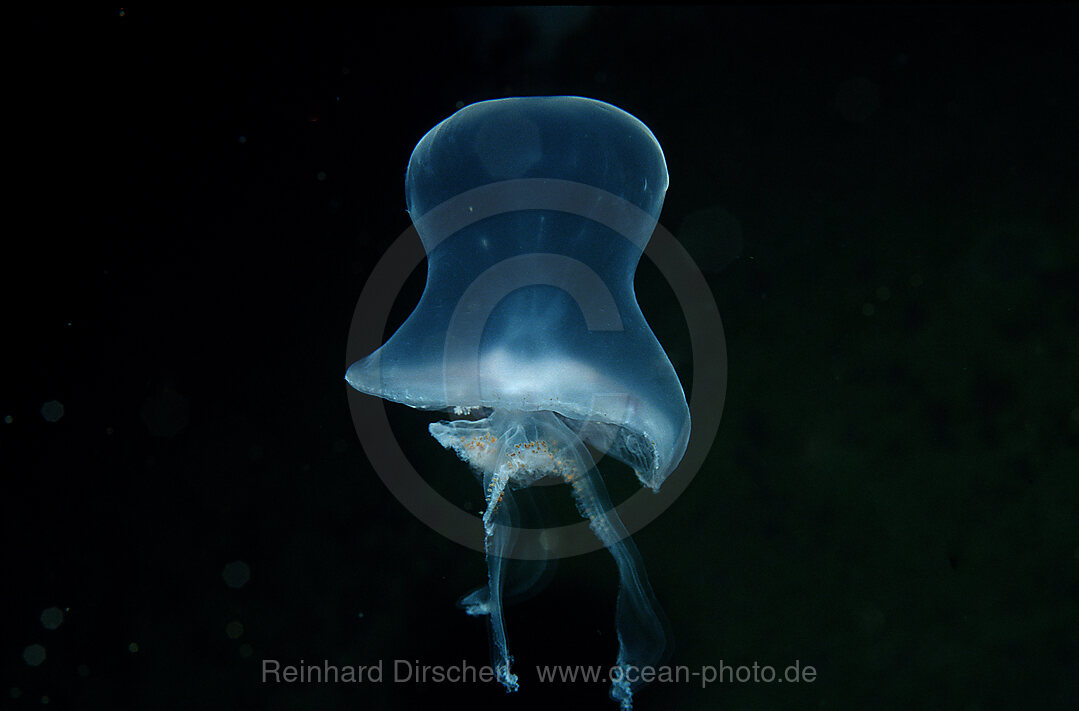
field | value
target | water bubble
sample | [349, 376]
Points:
[52, 411]
[34, 654]
[52, 617]
[236, 574]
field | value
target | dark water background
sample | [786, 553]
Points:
[885, 203]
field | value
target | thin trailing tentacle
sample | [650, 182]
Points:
[639, 623]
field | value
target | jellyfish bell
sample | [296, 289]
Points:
[534, 213]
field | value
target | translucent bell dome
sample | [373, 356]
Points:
[534, 213]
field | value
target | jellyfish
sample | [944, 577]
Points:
[534, 213]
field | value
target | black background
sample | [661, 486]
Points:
[885, 202]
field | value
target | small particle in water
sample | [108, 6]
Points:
[360, 616]
[242, 139]
[82, 670]
[44, 699]
[8, 419]
[133, 647]
[868, 309]
[15, 692]
[236, 574]
[52, 617]
[34, 654]
[52, 411]
[246, 650]
[234, 629]
[321, 176]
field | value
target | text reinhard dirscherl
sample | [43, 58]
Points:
[404, 671]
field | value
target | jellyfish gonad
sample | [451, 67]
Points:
[534, 213]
